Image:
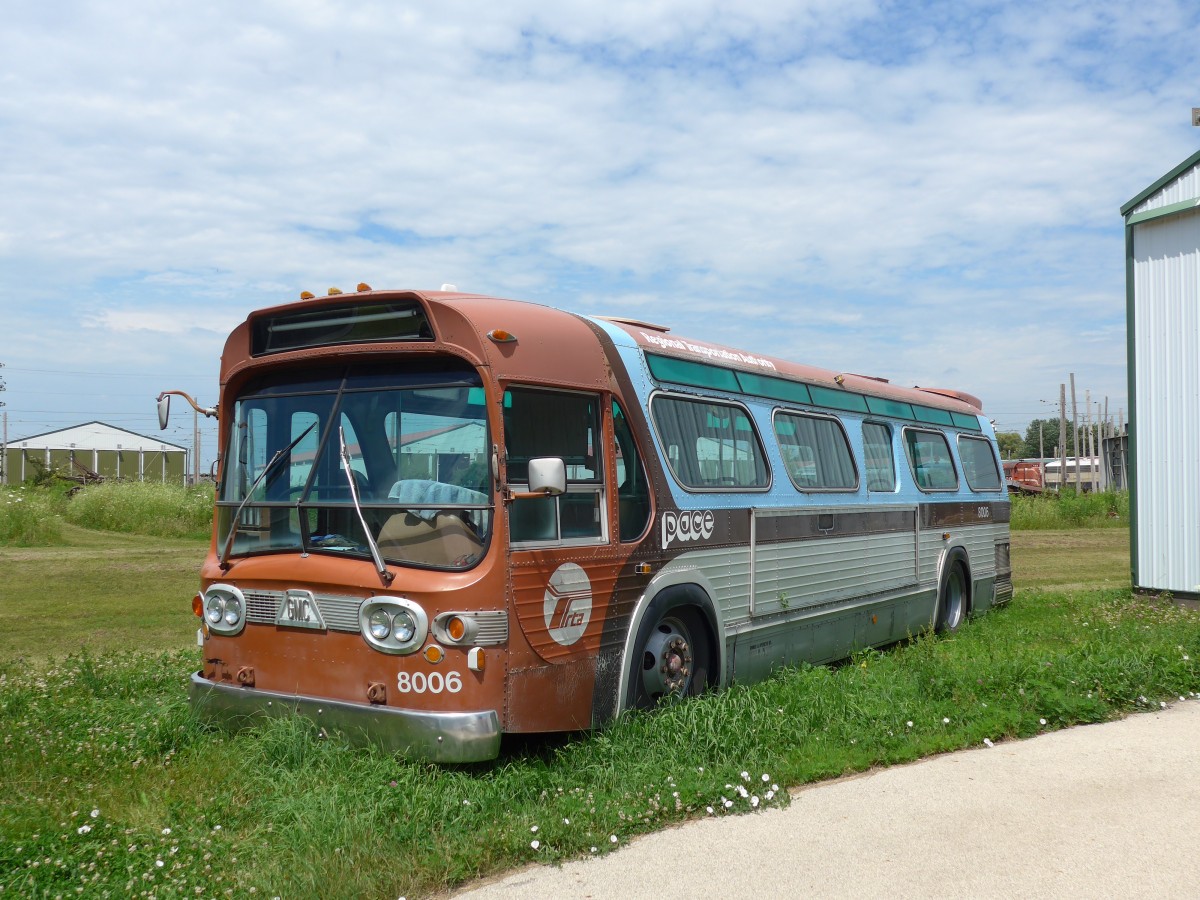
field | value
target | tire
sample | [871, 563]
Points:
[953, 600]
[673, 656]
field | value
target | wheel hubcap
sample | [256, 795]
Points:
[667, 663]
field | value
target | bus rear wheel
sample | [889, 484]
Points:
[673, 658]
[952, 600]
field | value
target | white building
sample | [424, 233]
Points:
[1162, 252]
[96, 448]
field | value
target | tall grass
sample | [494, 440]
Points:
[1099, 509]
[136, 507]
[111, 785]
[29, 517]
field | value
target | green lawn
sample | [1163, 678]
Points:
[101, 591]
[112, 788]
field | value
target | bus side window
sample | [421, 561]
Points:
[930, 460]
[877, 450]
[633, 492]
[563, 424]
[979, 463]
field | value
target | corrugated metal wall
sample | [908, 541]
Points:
[1166, 322]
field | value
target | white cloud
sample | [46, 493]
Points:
[856, 170]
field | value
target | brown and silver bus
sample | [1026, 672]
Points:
[441, 518]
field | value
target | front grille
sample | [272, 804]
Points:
[493, 627]
[339, 613]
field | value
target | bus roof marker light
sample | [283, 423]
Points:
[333, 291]
[840, 379]
[362, 286]
[500, 336]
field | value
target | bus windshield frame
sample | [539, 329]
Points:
[418, 442]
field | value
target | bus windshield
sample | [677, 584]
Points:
[417, 441]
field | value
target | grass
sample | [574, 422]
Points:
[112, 787]
[99, 591]
[29, 517]
[1100, 509]
[136, 507]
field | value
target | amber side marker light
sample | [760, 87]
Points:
[476, 661]
[434, 654]
[198, 606]
[500, 336]
[456, 628]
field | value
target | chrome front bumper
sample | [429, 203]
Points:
[437, 737]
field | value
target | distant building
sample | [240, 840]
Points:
[1162, 266]
[95, 448]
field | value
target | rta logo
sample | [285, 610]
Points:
[685, 526]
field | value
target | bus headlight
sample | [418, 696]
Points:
[393, 624]
[379, 625]
[404, 626]
[224, 609]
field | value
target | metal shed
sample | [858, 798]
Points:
[95, 447]
[1162, 275]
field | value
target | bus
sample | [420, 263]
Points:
[442, 518]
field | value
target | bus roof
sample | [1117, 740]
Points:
[555, 343]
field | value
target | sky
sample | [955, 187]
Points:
[926, 192]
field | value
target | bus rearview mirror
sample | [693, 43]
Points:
[164, 410]
[547, 475]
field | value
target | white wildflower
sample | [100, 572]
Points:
[988, 743]
[533, 830]
[535, 844]
[83, 829]
[1041, 721]
[754, 801]
[945, 720]
[612, 838]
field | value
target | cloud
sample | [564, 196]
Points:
[876, 176]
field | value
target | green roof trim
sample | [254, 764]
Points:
[774, 388]
[933, 416]
[832, 399]
[1172, 209]
[896, 409]
[683, 371]
[735, 381]
[1161, 183]
[962, 420]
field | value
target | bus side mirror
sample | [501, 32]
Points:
[547, 475]
[164, 410]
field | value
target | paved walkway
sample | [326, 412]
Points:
[1107, 810]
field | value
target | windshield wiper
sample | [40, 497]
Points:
[384, 575]
[237, 516]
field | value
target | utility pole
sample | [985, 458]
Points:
[1062, 435]
[3, 438]
[1074, 427]
[195, 447]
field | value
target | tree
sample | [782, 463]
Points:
[1011, 444]
[1049, 438]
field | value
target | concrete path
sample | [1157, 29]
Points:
[1107, 810]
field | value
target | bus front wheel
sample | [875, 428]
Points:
[673, 658]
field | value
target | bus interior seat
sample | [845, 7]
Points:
[443, 539]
